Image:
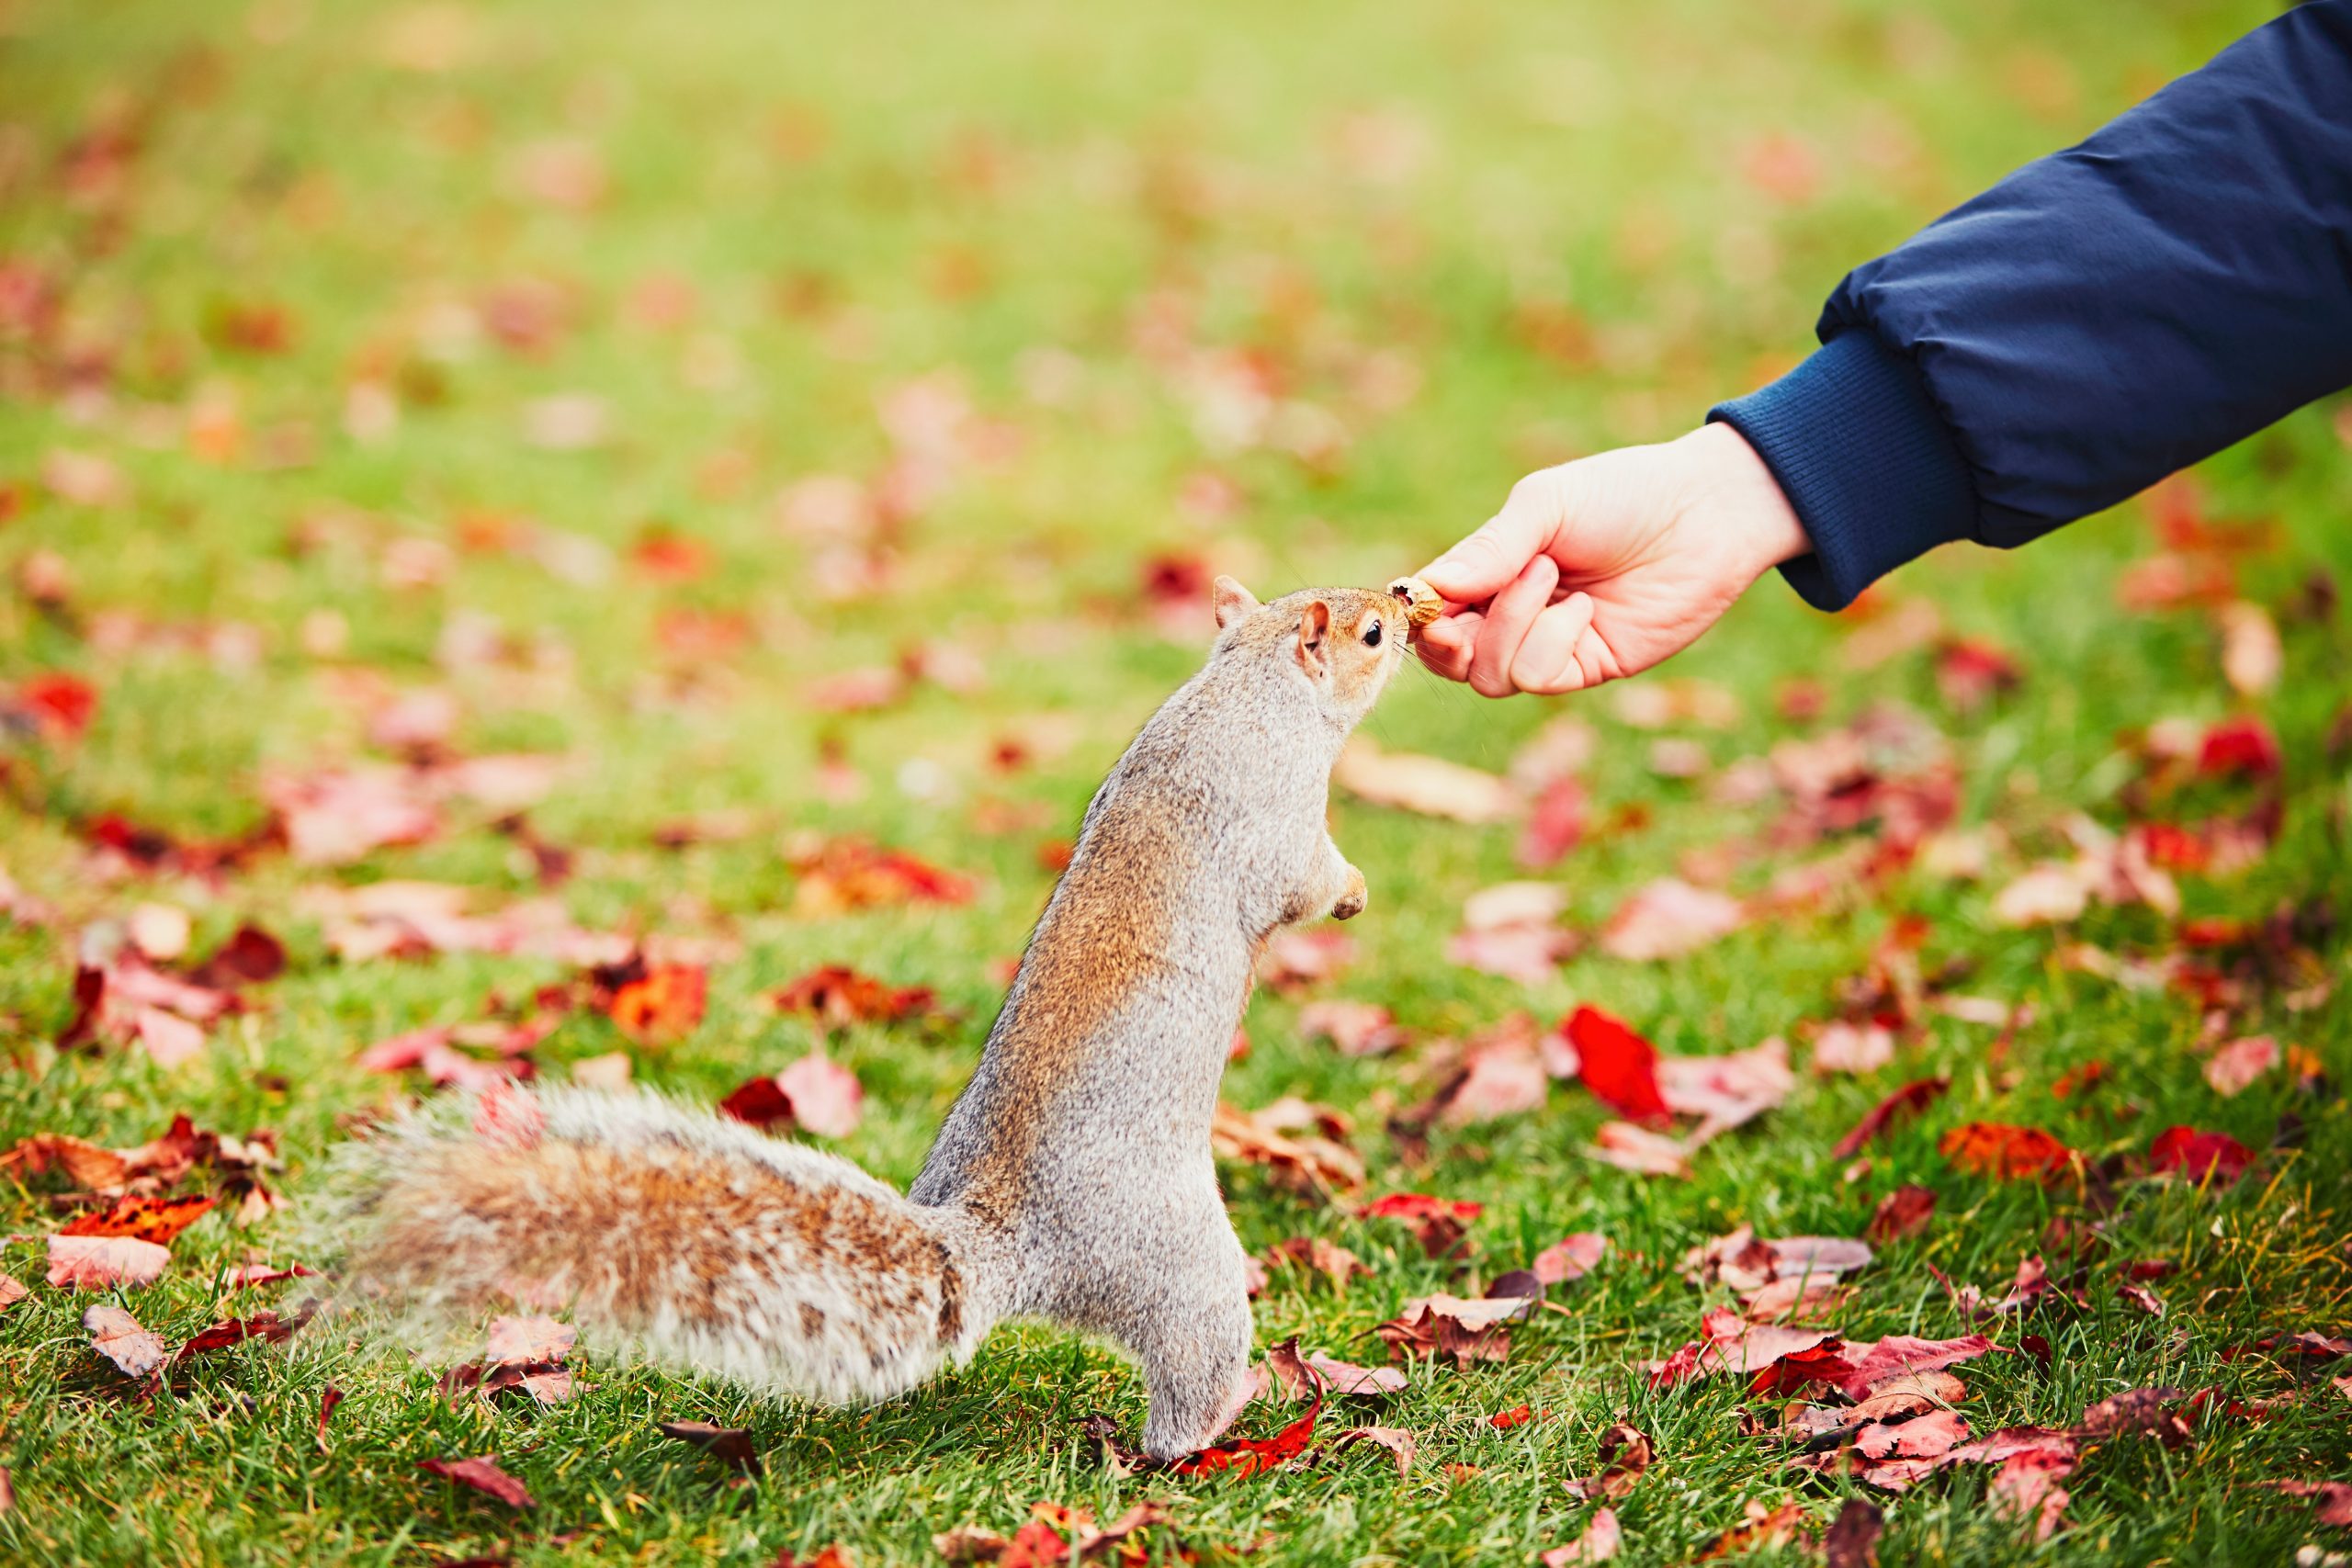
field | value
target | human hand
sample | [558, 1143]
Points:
[1600, 568]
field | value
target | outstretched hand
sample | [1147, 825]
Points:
[1600, 568]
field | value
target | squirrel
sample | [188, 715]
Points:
[1072, 1181]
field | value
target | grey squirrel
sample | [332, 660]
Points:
[1072, 1180]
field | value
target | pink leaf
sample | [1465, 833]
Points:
[826, 1096]
[95, 1262]
[1669, 917]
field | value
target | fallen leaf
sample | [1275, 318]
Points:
[1334, 1262]
[838, 996]
[116, 1334]
[1438, 1221]
[1624, 1453]
[2006, 1153]
[2232, 1069]
[1343, 1378]
[150, 1219]
[2252, 655]
[1599, 1543]
[652, 1004]
[1555, 823]
[1852, 1541]
[2332, 1500]
[1841, 1047]
[2199, 1155]
[2050, 894]
[760, 1102]
[1572, 1258]
[1669, 917]
[1294, 960]
[1429, 786]
[1311, 1162]
[1902, 1213]
[1249, 1456]
[265, 1325]
[514, 1340]
[12, 1290]
[844, 874]
[97, 1262]
[1639, 1150]
[1357, 1029]
[1764, 1529]
[483, 1475]
[730, 1444]
[1617, 1065]
[826, 1096]
[1900, 1106]
[1529, 954]
[1399, 1442]
[2240, 745]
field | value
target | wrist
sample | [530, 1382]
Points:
[1740, 497]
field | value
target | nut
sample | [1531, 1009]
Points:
[1422, 603]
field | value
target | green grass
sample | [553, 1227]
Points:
[1378, 201]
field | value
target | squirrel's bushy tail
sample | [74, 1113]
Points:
[695, 1241]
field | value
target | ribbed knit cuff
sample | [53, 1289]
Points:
[1864, 458]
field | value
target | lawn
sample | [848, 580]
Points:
[608, 460]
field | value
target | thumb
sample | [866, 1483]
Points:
[1487, 562]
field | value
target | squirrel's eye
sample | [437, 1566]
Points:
[1372, 636]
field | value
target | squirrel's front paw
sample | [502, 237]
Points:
[1352, 898]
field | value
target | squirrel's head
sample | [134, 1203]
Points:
[1344, 642]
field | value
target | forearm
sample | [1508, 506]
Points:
[2099, 320]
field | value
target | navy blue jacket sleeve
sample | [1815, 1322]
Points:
[2095, 321]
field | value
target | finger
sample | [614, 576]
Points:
[1546, 661]
[1489, 560]
[1446, 646]
[1508, 619]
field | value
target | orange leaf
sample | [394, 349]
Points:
[150, 1219]
[2006, 1153]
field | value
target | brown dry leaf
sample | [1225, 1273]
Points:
[483, 1475]
[116, 1334]
[1334, 1262]
[1429, 786]
[836, 995]
[1625, 1453]
[1310, 1164]
[1765, 1527]
[1852, 1541]
[12, 1290]
[1399, 1442]
[730, 1444]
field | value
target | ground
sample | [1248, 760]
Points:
[805, 423]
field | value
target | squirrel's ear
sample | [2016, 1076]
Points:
[1314, 635]
[1232, 601]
